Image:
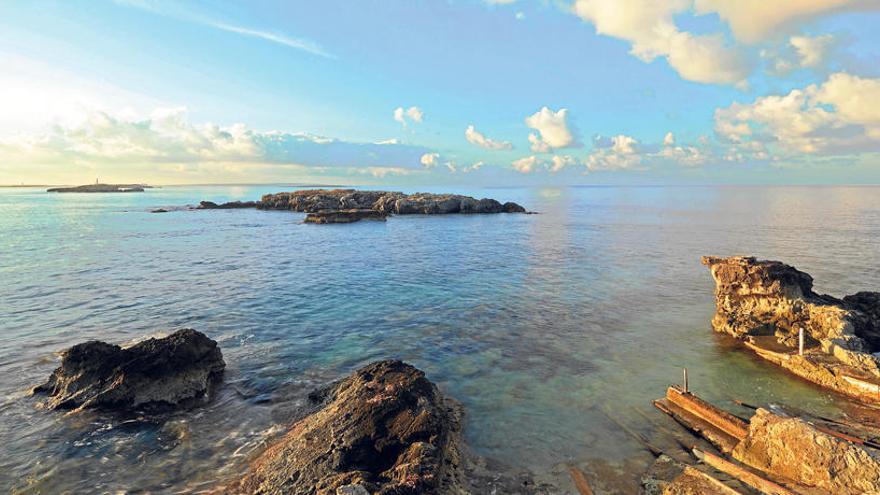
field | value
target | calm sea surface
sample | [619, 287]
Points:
[543, 326]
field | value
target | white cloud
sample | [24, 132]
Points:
[812, 51]
[474, 136]
[166, 137]
[554, 131]
[181, 11]
[753, 21]
[472, 168]
[413, 114]
[668, 139]
[649, 25]
[839, 116]
[618, 154]
[525, 165]
[520, 16]
[560, 162]
[429, 160]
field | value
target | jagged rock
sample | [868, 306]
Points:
[210, 205]
[767, 302]
[385, 429]
[345, 216]
[176, 371]
[159, 210]
[793, 449]
[316, 200]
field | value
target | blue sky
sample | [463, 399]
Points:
[386, 92]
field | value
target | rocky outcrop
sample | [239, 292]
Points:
[100, 188]
[315, 200]
[345, 216]
[210, 205]
[385, 429]
[176, 371]
[793, 449]
[766, 303]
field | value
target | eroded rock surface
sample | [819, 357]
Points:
[385, 429]
[176, 371]
[767, 302]
[791, 448]
[315, 200]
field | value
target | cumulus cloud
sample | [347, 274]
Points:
[668, 139]
[166, 137]
[526, 165]
[650, 27]
[554, 131]
[752, 21]
[617, 153]
[474, 136]
[801, 52]
[837, 117]
[411, 114]
[429, 160]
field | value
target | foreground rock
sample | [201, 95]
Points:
[793, 449]
[315, 200]
[344, 216]
[385, 429]
[176, 371]
[100, 188]
[765, 303]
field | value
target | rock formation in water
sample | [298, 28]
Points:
[100, 188]
[793, 449]
[345, 216]
[210, 205]
[315, 200]
[385, 429]
[767, 302]
[176, 371]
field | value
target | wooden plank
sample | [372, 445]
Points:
[749, 478]
[717, 417]
[718, 437]
[580, 481]
[715, 482]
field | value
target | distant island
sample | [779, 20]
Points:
[101, 188]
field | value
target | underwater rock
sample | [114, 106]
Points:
[157, 374]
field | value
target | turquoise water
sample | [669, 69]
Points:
[541, 325]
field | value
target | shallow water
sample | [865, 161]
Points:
[543, 326]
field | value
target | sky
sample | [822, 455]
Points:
[440, 92]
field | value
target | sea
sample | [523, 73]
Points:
[554, 331]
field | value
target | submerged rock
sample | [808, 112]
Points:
[345, 216]
[176, 371]
[210, 205]
[316, 200]
[795, 450]
[385, 429]
[766, 303]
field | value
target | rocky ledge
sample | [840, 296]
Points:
[385, 429]
[397, 203]
[766, 303]
[345, 216]
[100, 188]
[176, 371]
[210, 205]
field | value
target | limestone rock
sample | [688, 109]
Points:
[791, 448]
[316, 200]
[179, 370]
[345, 216]
[210, 205]
[385, 429]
